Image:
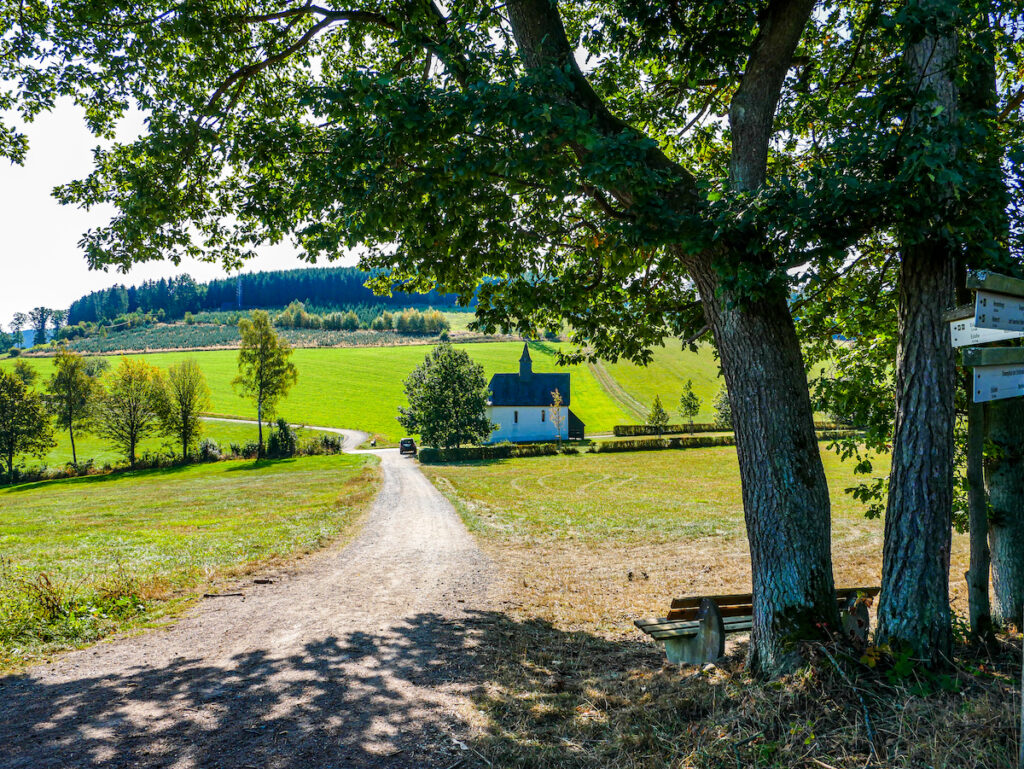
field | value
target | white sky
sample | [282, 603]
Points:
[40, 262]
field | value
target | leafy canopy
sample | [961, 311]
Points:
[447, 396]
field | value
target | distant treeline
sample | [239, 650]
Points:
[171, 298]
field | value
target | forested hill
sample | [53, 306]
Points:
[326, 287]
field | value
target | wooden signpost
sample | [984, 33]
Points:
[996, 372]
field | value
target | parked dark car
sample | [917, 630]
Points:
[407, 446]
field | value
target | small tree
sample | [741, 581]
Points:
[24, 371]
[557, 418]
[447, 396]
[24, 426]
[723, 409]
[127, 410]
[184, 395]
[689, 403]
[18, 323]
[39, 318]
[264, 372]
[71, 395]
[658, 418]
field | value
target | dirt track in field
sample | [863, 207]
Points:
[358, 656]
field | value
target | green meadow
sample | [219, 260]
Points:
[648, 496]
[665, 376]
[361, 387]
[110, 549]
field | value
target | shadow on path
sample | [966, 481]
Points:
[342, 702]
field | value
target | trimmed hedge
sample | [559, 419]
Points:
[656, 444]
[626, 431]
[693, 442]
[432, 456]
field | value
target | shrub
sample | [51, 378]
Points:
[723, 409]
[14, 352]
[209, 451]
[282, 441]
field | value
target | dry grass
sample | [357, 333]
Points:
[587, 544]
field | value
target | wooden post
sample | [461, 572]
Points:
[978, 605]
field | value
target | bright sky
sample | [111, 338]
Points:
[40, 262]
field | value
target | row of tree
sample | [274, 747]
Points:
[136, 400]
[408, 321]
[40, 320]
[171, 298]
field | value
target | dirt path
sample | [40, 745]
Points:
[362, 656]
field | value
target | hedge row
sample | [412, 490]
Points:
[693, 442]
[625, 431]
[656, 444]
[432, 456]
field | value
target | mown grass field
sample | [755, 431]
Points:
[361, 388]
[113, 548]
[665, 376]
[597, 540]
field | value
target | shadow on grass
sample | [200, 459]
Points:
[259, 464]
[105, 477]
[371, 699]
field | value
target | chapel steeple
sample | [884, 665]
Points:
[525, 363]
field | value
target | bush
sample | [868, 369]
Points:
[723, 409]
[209, 451]
[14, 352]
[282, 441]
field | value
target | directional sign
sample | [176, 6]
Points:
[964, 332]
[993, 383]
[998, 372]
[998, 311]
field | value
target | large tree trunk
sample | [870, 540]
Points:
[913, 609]
[785, 495]
[1005, 480]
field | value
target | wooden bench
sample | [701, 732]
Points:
[694, 630]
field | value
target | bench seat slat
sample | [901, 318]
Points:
[735, 599]
[739, 627]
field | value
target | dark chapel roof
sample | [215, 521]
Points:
[527, 388]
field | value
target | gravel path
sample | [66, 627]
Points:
[359, 656]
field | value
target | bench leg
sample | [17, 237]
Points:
[708, 645]
[685, 650]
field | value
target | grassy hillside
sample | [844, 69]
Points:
[665, 376]
[109, 548]
[361, 388]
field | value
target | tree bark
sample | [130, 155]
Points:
[785, 494]
[978, 606]
[259, 427]
[71, 433]
[913, 609]
[1005, 480]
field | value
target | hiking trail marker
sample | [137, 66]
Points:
[997, 372]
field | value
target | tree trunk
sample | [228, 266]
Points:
[978, 606]
[785, 495]
[913, 609]
[71, 433]
[1005, 479]
[259, 428]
